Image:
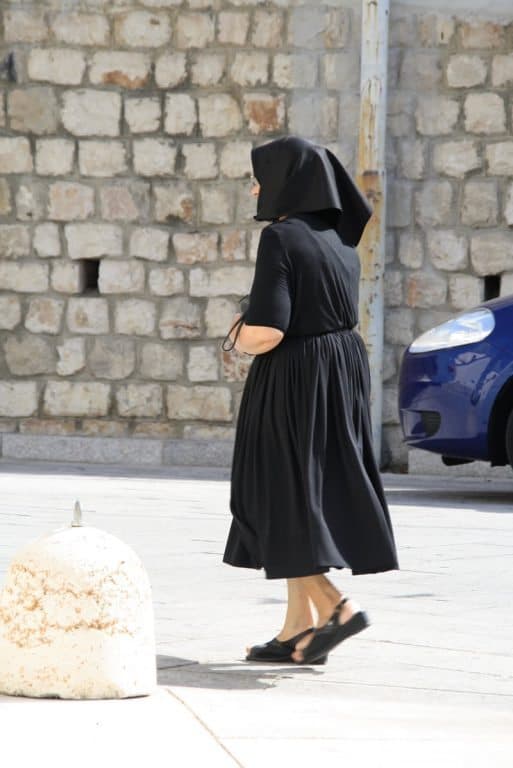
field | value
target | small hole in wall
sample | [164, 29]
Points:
[91, 269]
[492, 287]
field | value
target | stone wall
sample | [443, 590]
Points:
[126, 229]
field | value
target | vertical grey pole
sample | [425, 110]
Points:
[371, 179]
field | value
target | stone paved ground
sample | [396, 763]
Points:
[431, 681]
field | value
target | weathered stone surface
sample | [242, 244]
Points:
[194, 30]
[254, 240]
[447, 250]
[298, 70]
[208, 69]
[5, 198]
[69, 201]
[47, 426]
[411, 250]
[10, 312]
[412, 162]
[203, 364]
[92, 241]
[420, 70]
[180, 319]
[398, 204]
[30, 201]
[500, 158]
[54, 157]
[436, 115]
[68, 277]
[393, 287]
[318, 28]
[101, 158]
[25, 26]
[195, 247]
[200, 161]
[425, 290]
[233, 245]
[161, 361]
[250, 68]
[400, 110]
[434, 204]
[465, 291]
[390, 407]
[139, 400]
[219, 115]
[135, 317]
[166, 281]
[88, 315]
[216, 205]
[180, 114]
[267, 29]
[44, 315]
[55, 65]
[491, 252]
[124, 69]
[124, 202]
[399, 326]
[199, 402]
[91, 112]
[312, 116]
[112, 358]
[508, 206]
[222, 281]
[205, 432]
[174, 202]
[33, 110]
[456, 158]
[14, 241]
[170, 70]
[149, 243]
[28, 355]
[29, 277]
[481, 34]
[389, 363]
[142, 115]
[71, 356]
[80, 398]
[507, 284]
[435, 29]
[142, 29]
[103, 427]
[485, 113]
[18, 398]
[232, 27]
[235, 159]
[502, 70]
[465, 71]
[154, 157]
[81, 29]
[480, 203]
[120, 276]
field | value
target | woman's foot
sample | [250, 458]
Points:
[289, 633]
[341, 613]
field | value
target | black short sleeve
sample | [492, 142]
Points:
[270, 299]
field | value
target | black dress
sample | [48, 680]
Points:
[306, 494]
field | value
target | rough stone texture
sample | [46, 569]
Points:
[162, 362]
[208, 69]
[194, 30]
[200, 161]
[434, 204]
[411, 250]
[68, 201]
[135, 317]
[485, 113]
[27, 355]
[5, 198]
[15, 155]
[54, 157]
[149, 243]
[447, 250]
[437, 115]
[203, 403]
[85, 29]
[180, 319]
[91, 113]
[29, 277]
[88, 315]
[10, 312]
[232, 27]
[92, 241]
[174, 202]
[112, 358]
[44, 315]
[508, 206]
[165, 281]
[72, 356]
[456, 158]
[219, 316]
[18, 398]
[425, 290]
[170, 70]
[216, 205]
[203, 363]
[219, 115]
[128, 70]
[142, 115]
[33, 110]
[142, 29]
[154, 157]
[180, 114]
[480, 203]
[464, 71]
[491, 252]
[54, 65]
[121, 276]
[466, 291]
[500, 158]
[68, 277]
[219, 282]
[102, 158]
[139, 400]
[123, 202]
[14, 241]
[25, 26]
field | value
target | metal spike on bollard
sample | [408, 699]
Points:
[77, 516]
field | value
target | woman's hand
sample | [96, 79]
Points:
[255, 339]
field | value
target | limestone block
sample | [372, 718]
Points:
[135, 317]
[465, 291]
[71, 356]
[68, 277]
[216, 205]
[465, 71]
[208, 69]
[180, 319]
[424, 289]
[219, 115]
[309, 29]
[125, 69]
[481, 34]
[55, 65]
[485, 113]
[389, 363]
[44, 315]
[456, 158]
[142, 115]
[341, 70]
[500, 158]
[154, 157]
[149, 243]
[298, 70]
[390, 407]
[502, 70]
[267, 29]
[235, 366]
[170, 70]
[491, 252]
[33, 110]
[480, 203]
[194, 30]
[10, 312]
[69, 201]
[104, 428]
[393, 287]
[205, 432]
[29, 277]
[25, 26]
[399, 204]
[434, 204]
[200, 161]
[28, 355]
[507, 284]
[80, 398]
[264, 113]
[18, 398]
[14, 241]
[310, 116]
[412, 159]
[92, 241]
[235, 159]
[86, 29]
[232, 27]
[254, 240]
[180, 114]
[161, 361]
[411, 250]
[120, 276]
[220, 282]
[101, 158]
[142, 29]
[508, 206]
[124, 202]
[399, 326]
[166, 281]
[5, 198]
[421, 70]
[436, 115]
[54, 157]
[139, 400]
[250, 68]
[447, 250]
[195, 247]
[201, 402]
[91, 112]
[233, 245]
[112, 358]
[30, 201]
[435, 29]
[174, 202]
[203, 364]
[88, 315]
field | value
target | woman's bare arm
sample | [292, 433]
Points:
[257, 339]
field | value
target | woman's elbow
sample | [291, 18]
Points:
[255, 340]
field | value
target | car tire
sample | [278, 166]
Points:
[509, 439]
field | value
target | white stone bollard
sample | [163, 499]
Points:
[76, 619]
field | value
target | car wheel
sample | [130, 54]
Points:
[509, 439]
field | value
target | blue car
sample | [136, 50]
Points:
[456, 387]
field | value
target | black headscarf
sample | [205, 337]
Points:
[297, 176]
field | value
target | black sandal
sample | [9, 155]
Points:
[327, 637]
[280, 651]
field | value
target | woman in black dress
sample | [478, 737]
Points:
[306, 494]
